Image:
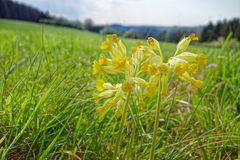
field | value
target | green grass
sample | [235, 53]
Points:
[46, 109]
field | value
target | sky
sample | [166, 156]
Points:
[142, 12]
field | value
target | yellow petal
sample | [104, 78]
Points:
[119, 111]
[192, 69]
[105, 45]
[197, 83]
[113, 37]
[99, 85]
[193, 37]
[101, 110]
[179, 68]
[152, 69]
[127, 86]
[163, 68]
[96, 67]
[201, 58]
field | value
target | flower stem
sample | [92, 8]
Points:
[156, 123]
[119, 136]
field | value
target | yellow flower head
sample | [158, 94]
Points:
[201, 58]
[197, 83]
[163, 69]
[184, 43]
[105, 45]
[134, 49]
[153, 43]
[192, 69]
[99, 85]
[102, 59]
[139, 43]
[113, 37]
[119, 111]
[150, 41]
[119, 62]
[144, 66]
[149, 89]
[100, 110]
[179, 68]
[96, 97]
[152, 69]
[193, 37]
[127, 86]
[96, 67]
[113, 102]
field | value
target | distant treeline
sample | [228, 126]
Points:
[213, 32]
[168, 34]
[14, 10]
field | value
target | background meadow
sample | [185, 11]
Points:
[46, 85]
[47, 110]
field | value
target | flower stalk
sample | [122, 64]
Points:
[116, 154]
[156, 123]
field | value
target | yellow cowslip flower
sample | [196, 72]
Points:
[144, 66]
[95, 97]
[113, 101]
[184, 43]
[99, 85]
[105, 45]
[148, 51]
[138, 81]
[149, 89]
[102, 59]
[143, 58]
[101, 110]
[193, 37]
[119, 111]
[179, 68]
[106, 93]
[197, 83]
[152, 69]
[120, 48]
[186, 56]
[96, 67]
[201, 58]
[134, 50]
[127, 86]
[113, 37]
[192, 69]
[139, 43]
[163, 68]
[191, 57]
[153, 43]
[119, 62]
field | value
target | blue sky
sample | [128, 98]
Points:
[142, 12]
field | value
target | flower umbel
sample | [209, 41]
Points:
[141, 73]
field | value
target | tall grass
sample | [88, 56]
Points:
[46, 109]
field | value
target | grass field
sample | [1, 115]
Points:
[47, 110]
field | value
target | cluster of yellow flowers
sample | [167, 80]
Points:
[142, 69]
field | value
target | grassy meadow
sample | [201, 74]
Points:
[47, 110]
